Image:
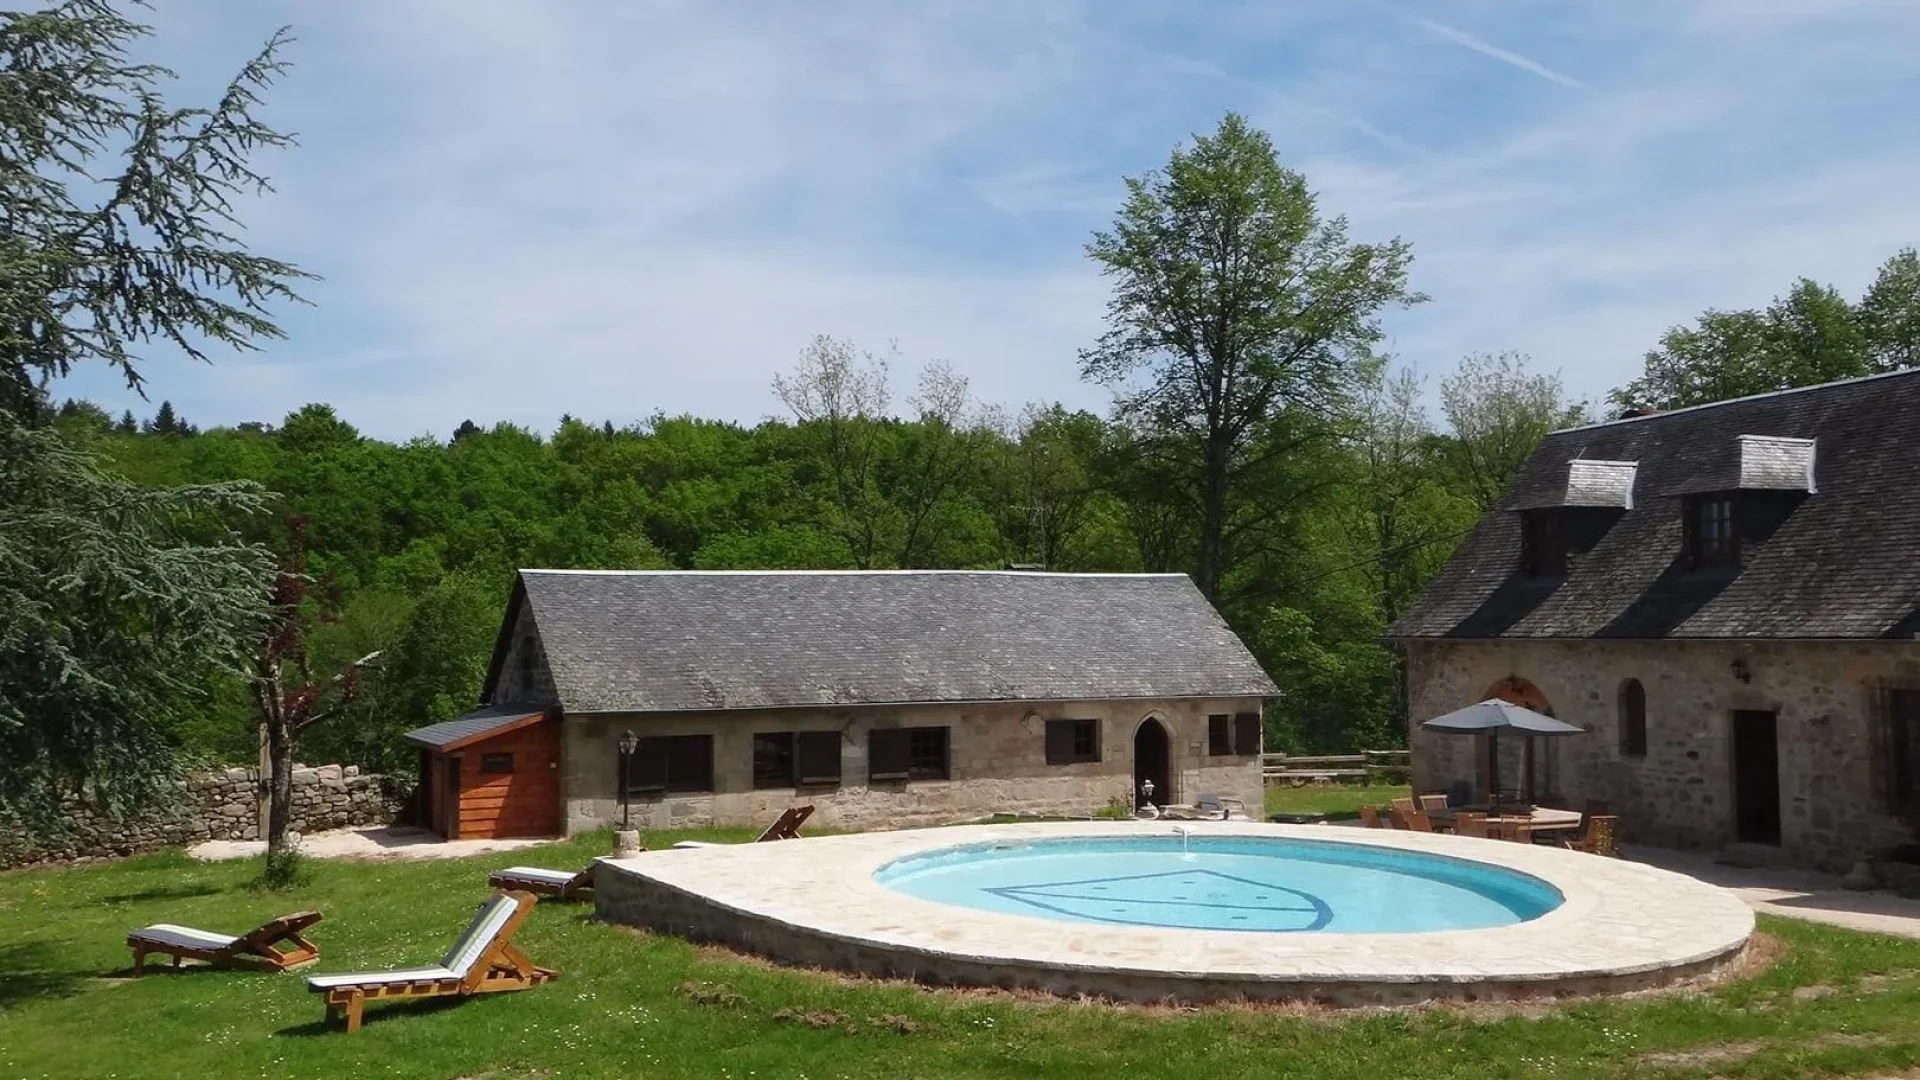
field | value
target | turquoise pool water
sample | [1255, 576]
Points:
[1225, 883]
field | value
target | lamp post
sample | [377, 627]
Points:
[626, 841]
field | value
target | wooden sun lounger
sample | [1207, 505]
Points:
[784, 827]
[260, 947]
[555, 883]
[482, 961]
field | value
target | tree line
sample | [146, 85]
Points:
[169, 593]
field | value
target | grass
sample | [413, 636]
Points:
[1335, 801]
[630, 1005]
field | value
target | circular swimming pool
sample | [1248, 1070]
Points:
[1251, 884]
[1259, 911]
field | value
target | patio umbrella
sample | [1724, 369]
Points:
[1493, 716]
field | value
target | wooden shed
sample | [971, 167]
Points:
[490, 774]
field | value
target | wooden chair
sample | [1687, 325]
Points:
[1433, 802]
[1417, 821]
[1518, 830]
[1370, 817]
[784, 827]
[1404, 804]
[1395, 818]
[261, 947]
[1469, 823]
[558, 884]
[483, 960]
[1598, 838]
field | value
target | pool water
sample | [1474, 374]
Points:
[1225, 883]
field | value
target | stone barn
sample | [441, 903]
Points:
[884, 698]
[1727, 599]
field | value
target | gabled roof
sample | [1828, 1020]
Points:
[676, 641]
[1842, 559]
[483, 723]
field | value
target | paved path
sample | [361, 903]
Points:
[1796, 894]
[377, 843]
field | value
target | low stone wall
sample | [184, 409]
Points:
[218, 805]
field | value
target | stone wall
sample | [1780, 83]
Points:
[997, 755]
[1829, 699]
[219, 805]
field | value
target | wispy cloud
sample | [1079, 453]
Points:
[618, 209]
[1486, 48]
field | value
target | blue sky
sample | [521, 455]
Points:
[613, 208]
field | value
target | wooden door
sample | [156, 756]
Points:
[449, 821]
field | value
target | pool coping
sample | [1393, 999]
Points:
[1623, 925]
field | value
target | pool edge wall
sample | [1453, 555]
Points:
[632, 899]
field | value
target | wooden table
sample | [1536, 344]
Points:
[1543, 819]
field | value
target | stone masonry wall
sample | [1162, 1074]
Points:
[997, 757]
[1828, 697]
[218, 805]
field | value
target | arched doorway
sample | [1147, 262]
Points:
[1152, 761]
[1536, 770]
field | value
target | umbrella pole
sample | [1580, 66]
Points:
[1493, 769]
[1526, 779]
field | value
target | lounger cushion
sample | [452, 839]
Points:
[535, 873]
[183, 937]
[479, 934]
[690, 844]
[378, 978]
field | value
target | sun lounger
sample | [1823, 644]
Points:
[785, 827]
[483, 961]
[1217, 808]
[259, 947]
[561, 884]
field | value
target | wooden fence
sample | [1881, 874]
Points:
[1368, 766]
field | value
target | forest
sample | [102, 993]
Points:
[173, 594]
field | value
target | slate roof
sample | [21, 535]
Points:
[461, 728]
[673, 641]
[1840, 562]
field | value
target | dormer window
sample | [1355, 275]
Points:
[1543, 544]
[1712, 539]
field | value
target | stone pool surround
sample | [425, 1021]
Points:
[1623, 926]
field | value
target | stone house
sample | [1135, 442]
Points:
[884, 698]
[1727, 599]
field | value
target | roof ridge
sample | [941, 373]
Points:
[1739, 400]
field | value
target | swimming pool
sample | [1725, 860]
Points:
[1253, 884]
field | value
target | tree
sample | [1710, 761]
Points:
[1241, 303]
[116, 602]
[118, 605]
[844, 397]
[120, 207]
[127, 425]
[1499, 411]
[288, 698]
[1890, 314]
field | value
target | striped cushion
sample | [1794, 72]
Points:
[377, 978]
[479, 935]
[534, 873]
[183, 937]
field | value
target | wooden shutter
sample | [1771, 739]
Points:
[1246, 734]
[648, 767]
[1059, 742]
[817, 760]
[1219, 735]
[887, 755]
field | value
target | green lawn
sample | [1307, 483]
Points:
[633, 1005]
[1336, 801]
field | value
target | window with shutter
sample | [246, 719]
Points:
[1071, 741]
[927, 753]
[671, 763]
[1246, 734]
[1219, 735]
[818, 757]
[773, 759]
[887, 757]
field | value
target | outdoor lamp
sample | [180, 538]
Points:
[628, 741]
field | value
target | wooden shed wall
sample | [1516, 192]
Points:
[524, 802]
